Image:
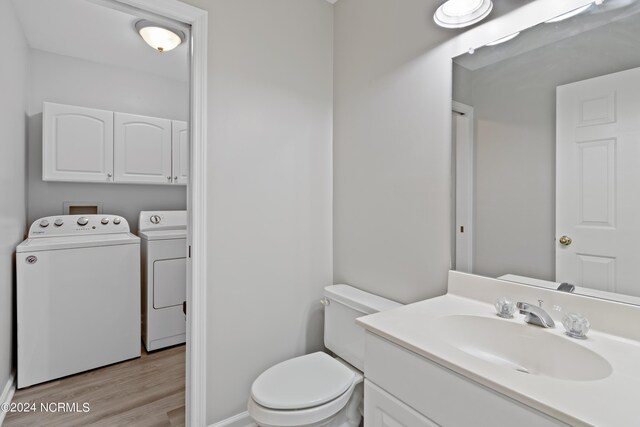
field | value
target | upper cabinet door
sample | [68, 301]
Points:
[180, 147]
[77, 144]
[142, 149]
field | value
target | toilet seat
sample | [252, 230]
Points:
[302, 382]
[305, 391]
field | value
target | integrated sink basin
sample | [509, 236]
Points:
[521, 347]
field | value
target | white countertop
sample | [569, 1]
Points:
[612, 401]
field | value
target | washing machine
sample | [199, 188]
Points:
[78, 296]
[163, 237]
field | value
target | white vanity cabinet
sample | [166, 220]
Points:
[383, 410]
[87, 145]
[142, 149]
[77, 143]
[403, 388]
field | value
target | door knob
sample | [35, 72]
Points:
[565, 240]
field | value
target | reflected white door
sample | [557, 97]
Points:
[598, 182]
[463, 169]
[142, 149]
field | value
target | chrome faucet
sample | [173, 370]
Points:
[535, 315]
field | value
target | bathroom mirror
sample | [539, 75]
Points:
[546, 139]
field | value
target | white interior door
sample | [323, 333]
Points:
[597, 182]
[142, 149]
[77, 143]
[180, 147]
[462, 132]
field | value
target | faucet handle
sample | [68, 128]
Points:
[576, 325]
[505, 308]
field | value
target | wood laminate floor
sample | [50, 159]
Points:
[148, 391]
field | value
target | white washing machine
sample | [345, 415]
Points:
[163, 237]
[78, 296]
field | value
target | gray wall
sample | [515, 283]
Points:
[74, 81]
[462, 85]
[269, 188]
[13, 83]
[515, 111]
[391, 149]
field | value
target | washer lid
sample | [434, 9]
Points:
[163, 234]
[74, 242]
[302, 382]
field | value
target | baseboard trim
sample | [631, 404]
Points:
[240, 420]
[7, 394]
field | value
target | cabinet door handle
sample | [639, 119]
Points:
[169, 178]
[109, 175]
[175, 178]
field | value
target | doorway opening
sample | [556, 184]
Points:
[153, 169]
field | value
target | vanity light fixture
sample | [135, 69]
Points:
[504, 39]
[462, 13]
[572, 13]
[159, 37]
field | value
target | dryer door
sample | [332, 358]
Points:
[169, 282]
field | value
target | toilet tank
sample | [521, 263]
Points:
[343, 305]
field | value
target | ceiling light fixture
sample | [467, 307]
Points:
[571, 14]
[504, 39]
[159, 37]
[462, 13]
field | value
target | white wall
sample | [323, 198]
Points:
[13, 83]
[74, 81]
[391, 149]
[269, 188]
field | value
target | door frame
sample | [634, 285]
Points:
[195, 396]
[464, 185]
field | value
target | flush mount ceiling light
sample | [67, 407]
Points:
[462, 13]
[159, 37]
[504, 39]
[573, 13]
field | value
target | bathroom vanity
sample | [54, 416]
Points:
[451, 361]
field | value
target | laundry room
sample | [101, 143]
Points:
[100, 163]
[79, 67]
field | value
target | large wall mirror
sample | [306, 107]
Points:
[546, 133]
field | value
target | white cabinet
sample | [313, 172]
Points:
[180, 147]
[142, 149]
[384, 410]
[88, 145]
[441, 396]
[78, 144]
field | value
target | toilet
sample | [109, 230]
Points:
[317, 389]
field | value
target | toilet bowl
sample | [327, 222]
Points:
[312, 390]
[317, 389]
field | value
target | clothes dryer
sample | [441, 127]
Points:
[163, 237]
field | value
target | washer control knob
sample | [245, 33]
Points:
[58, 222]
[104, 220]
[83, 220]
[116, 221]
[155, 219]
[44, 223]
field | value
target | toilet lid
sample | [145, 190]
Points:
[302, 382]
